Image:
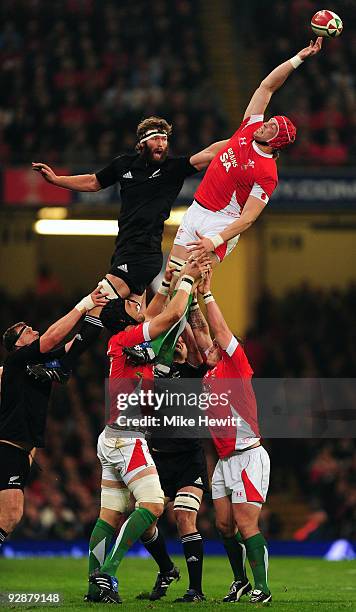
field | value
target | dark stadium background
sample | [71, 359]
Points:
[76, 77]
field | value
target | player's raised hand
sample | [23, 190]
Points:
[45, 171]
[202, 245]
[313, 49]
[198, 266]
[205, 284]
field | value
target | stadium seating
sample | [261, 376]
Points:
[320, 98]
[77, 77]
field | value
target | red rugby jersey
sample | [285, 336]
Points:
[234, 368]
[239, 169]
[125, 378]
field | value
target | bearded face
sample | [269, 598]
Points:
[155, 150]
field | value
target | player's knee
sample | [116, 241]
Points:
[247, 526]
[11, 516]
[156, 509]
[186, 521]
[224, 527]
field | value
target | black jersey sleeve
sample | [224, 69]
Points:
[184, 167]
[187, 370]
[26, 354]
[112, 173]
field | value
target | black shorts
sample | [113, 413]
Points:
[137, 272]
[14, 467]
[178, 470]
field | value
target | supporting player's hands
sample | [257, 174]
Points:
[45, 171]
[201, 246]
[197, 267]
[313, 49]
[205, 284]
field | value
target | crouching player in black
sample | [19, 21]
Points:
[24, 403]
[182, 471]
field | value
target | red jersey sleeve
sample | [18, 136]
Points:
[236, 361]
[248, 127]
[135, 335]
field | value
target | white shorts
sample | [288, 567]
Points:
[207, 223]
[122, 458]
[244, 476]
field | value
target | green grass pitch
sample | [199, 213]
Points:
[301, 585]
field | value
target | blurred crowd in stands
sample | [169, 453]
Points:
[78, 75]
[320, 98]
[307, 333]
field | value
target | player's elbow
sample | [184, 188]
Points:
[175, 315]
[94, 184]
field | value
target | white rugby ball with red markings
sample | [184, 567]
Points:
[326, 23]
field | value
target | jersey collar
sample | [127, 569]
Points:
[259, 151]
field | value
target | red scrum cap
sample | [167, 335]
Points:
[286, 132]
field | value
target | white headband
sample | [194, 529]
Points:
[152, 134]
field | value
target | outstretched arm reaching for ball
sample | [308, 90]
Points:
[276, 78]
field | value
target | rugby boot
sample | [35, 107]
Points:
[238, 588]
[164, 580]
[191, 596]
[258, 596]
[108, 587]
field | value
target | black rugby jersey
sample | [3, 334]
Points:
[148, 192]
[178, 371]
[24, 400]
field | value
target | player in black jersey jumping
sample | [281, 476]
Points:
[150, 181]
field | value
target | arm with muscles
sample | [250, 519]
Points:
[251, 211]
[197, 321]
[194, 357]
[201, 160]
[61, 328]
[158, 302]
[79, 182]
[277, 77]
[218, 325]
[177, 306]
[54, 368]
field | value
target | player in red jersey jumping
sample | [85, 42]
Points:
[241, 476]
[242, 176]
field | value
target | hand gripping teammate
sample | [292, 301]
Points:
[127, 466]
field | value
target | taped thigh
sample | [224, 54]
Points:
[187, 501]
[115, 499]
[147, 489]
